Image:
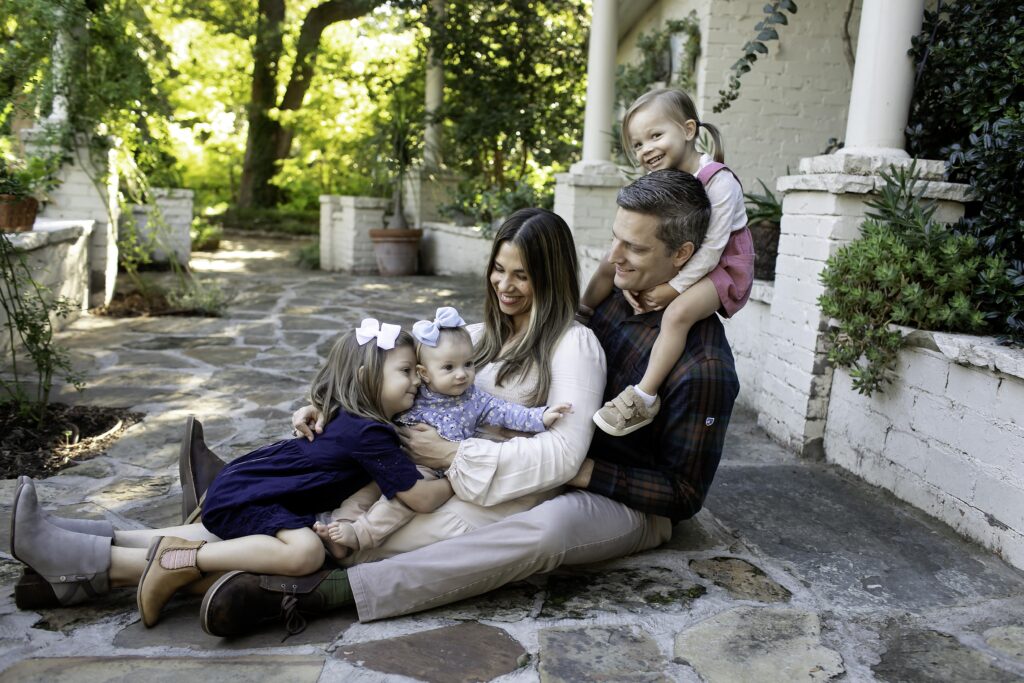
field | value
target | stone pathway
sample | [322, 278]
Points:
[794, 571]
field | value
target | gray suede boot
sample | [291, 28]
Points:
[76, 565]
[94, 527]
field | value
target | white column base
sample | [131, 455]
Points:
[585, 198]
[345, 224]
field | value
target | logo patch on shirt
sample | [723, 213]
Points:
[708, 422]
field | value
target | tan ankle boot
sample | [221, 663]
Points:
[172, 565]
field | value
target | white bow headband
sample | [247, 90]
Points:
[427, 331]
[386, 334]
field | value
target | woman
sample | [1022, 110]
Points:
[529, 350]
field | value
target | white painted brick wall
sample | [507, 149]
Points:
[453, 250]
[345, 224]
[952, 443]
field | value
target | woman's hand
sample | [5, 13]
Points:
[307, 420]
[426, 447]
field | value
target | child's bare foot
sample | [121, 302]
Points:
[338, 552]
[343, 534]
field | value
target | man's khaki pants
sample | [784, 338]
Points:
[573, 528]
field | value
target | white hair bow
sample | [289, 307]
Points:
[427, 331]
[386, 334]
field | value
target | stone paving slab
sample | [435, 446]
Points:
[624, 654]
[451, 654]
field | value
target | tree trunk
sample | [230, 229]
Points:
[269, 142]
[255, 189]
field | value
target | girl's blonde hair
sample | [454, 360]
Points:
[352, 377]
[548, 253]
[678, 108]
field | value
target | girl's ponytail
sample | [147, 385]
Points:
[716, 138]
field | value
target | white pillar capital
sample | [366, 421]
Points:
[597, 122]
[883, 78]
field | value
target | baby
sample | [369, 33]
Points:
[448, 401]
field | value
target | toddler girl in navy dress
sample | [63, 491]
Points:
[448, 401]
[267, 500]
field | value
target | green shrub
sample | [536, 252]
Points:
[308, 256]
[484, 206]
[968, 108]
[281, 221]
[906, 269]
[205, 235]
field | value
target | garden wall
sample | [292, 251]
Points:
[449, 249]
[171, 234]
[57, 253]
[947, 436]
[745, 333]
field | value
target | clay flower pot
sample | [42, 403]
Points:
[17, 213]
[397, 250]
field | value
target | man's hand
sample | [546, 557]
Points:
[307, 420]
[582, 478]
[426, 447]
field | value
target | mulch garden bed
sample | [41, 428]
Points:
[70, 434]
[135, 305]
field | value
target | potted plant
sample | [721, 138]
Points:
[23, 184]
[396, 247]
[764, 215]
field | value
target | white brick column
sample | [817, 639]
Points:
[822, 210]
[597, 121]
[345, 224]
[87, 191]
[585, 198]
[434, 98]
[426, 189]
[883, 78]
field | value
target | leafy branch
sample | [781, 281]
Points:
[774, 16]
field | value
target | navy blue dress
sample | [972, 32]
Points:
[284, 485]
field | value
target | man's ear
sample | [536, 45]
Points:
[683, 254]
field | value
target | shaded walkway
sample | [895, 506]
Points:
[793, 572]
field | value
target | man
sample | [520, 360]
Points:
[626, 496]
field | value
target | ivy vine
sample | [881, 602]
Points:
[774, 16]
[655, 66]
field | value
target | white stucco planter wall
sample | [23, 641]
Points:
[947, 436]
[57, 253]
[745, 332]
[449, 249]
[170, 233]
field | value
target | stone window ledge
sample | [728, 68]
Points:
[47, 231]
[967, 349]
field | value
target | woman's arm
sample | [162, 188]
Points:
[487, 473]
[426, 495]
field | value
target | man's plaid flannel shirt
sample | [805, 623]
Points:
[665, 468]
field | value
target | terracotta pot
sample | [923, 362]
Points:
[765, 235]
[397, 251]
[17, 214]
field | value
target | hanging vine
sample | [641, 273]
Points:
[774, 16]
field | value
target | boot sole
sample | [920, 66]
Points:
[615, 431]
[210, 593]
[33, 592]
[150, 554]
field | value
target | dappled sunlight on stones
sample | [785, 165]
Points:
[129, 490]
[451, 654]
[925, 656]
[600, 653]
[1008, 640]
[641, 589]
[758, 644]
[741, 579]
[178, 343]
